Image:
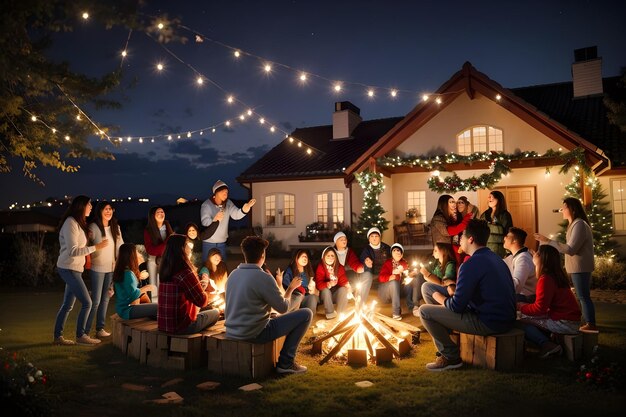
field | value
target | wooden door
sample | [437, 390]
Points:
[521, 204]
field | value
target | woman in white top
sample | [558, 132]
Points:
[104, 226]
[71, 264]
[578, 250]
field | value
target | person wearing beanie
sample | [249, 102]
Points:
[332, 283]
[372, 257]
[393, 275]
[219, 209]
[348, 258]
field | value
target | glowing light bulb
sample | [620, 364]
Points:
[370, 93]
[267, 68]
[438, 100]
[230, 99]
[291, 139]
[227, 123]
[54, 130]
[169, 137]
[498, 97]
[393, 93]
[188, 134]
[425, 97]
[309, 151]
[262, 120]
[272, 129]
[78, 117]
[213, 130]
[237, 54]
[67, 137]
[124, 53]
[159, 66]
[140, 140]
[160, 26]
[337, 87]
[200, 81]
[303, 76]
[129, 139]
[249, 112]
[85, 15]
[33, 118]
[242, 117]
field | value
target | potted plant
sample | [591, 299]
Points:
[412, 215]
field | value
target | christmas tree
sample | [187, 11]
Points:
[599, 214]
[372, 213]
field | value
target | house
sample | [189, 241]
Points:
[469, 113]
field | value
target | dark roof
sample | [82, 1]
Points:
[585, 116]
[329, 157]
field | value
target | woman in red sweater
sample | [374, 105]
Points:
[332, 283]
[555, 310]
[154, 236]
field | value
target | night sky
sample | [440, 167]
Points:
[412, 46]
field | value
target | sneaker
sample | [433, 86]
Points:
[549, 349]
[589, 328]
[102, 333]
[61, 341]
[85, 340]
[330, 316]
[293, 369]
[442, 363]
[416, 311]
[396, 317]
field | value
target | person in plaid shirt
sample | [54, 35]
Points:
[181, 295]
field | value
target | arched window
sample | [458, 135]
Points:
[480, 139]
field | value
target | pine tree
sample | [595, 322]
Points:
[372, 214]
[599, 214]
[40, 123]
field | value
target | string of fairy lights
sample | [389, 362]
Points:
[370, 91]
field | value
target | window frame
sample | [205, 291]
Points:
[279, 209]
[330, 209]
[493, 138]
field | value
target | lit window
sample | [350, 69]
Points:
[280, 210]
[480, 139]
[329, 209]
[416, 204]
[618, 186]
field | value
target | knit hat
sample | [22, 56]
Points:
[373, 230]
[218, 186]
[338, 235]
[399, 246]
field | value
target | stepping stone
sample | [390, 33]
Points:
[364, 384]
[172, 382]
[208, 385]
[168, 398]
[135, 387]
[251, 387]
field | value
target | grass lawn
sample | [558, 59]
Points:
[85, 381]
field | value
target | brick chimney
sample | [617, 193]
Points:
[345, 119]
[587, 72]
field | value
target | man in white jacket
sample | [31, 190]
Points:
[520, 263]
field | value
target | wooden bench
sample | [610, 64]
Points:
[502, 352]
[579, 345]
[243, 359]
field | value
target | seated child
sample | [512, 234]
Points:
[129, 299]
[395, 280]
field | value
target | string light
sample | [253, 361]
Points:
[199, 80]
[160, 26]
[159, 67]
[337, 87]
[237, 54]
[393, 93]
[370, 93]
[85, 15]
[303, 77]
[124, 53]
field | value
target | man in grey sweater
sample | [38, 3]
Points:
[251, 294]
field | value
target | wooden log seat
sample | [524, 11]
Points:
[243, 359]
[502, 352]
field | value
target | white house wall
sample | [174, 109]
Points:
[304, 192]
[438, 135]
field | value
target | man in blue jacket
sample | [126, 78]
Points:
[483, 302]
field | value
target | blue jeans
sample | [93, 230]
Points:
[207, 246]
[365, 279]
[390, 291]
[429, 288]
[139, 311]
[533, 333]
[336, 294]
[74, 288]
[206, 318]
[293, 325]
[153, 279]
[582, 283]
[100, 283]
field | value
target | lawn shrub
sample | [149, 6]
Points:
[33, 261]
[609, 274]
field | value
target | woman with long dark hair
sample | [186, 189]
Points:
[128, 295]
[306, 294]
[555, 309]
[71, 264]
[499, 220]
[103, 226]
[442, 277]
[155, 234]
[213, 277]
[579, 262]
[181, 295]
[193, 234]
[332, 283]
[446, 223]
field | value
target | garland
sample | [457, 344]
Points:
[499, 167]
